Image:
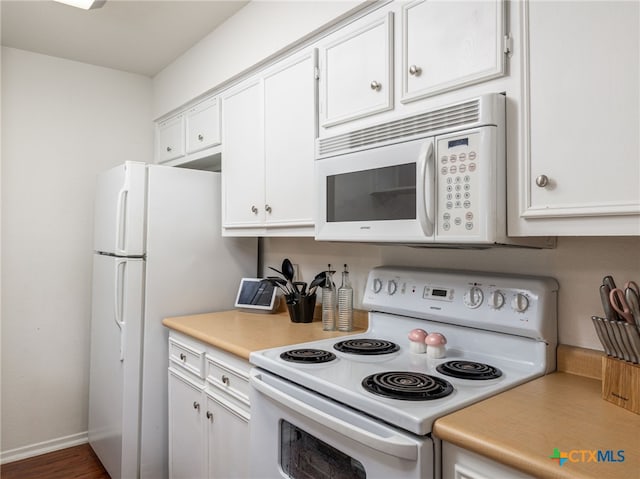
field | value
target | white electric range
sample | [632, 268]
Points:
[364, 405]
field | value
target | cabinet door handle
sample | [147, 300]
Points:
[542, 181]
[210, 416]
[169, 149]
[196, 405]
[415, 70]
[375, 85]
[200, 137]
[254, 210]
[183, 357]
[267, 208]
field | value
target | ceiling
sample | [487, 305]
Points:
[140, 36]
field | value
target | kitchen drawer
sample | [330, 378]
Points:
[229, 375]
[186, 357]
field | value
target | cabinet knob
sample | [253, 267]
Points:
[169, 149]
[196, 405]
[225, 380]
[267, 208]
[183, 357]
[254, 210]
[415, 70]
[209, 415]
[200, 137]
[542, 181]
[376, 85]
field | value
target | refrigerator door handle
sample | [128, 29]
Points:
[120, 266]
[121, 219]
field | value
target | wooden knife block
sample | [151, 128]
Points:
[621, 383]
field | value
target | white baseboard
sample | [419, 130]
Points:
[43, 447]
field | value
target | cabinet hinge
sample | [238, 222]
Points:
[316, 73]
[507, 42]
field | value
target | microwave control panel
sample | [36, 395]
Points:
[465, 204]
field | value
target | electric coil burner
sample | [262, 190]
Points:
[366, 346]
[408, 386]
[469, 370]
[309, 356]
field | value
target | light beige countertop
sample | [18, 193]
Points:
[522, 427]
[241, 333]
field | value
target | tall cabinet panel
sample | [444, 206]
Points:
[243, 156]
[289, 136]
[581, 170]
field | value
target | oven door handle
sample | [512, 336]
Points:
[394, 445]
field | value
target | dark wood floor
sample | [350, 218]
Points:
[79, 462]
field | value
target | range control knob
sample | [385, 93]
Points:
[377, 285]
[496, 299]
[473, 298]
[392, 287]
[520, 303]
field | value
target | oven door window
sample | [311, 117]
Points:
[378, 194]
[303, 456]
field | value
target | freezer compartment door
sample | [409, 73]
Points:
[114, 382]
[119, 219]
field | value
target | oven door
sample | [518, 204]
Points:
[297, 434]
[383, 194]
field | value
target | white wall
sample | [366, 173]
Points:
[577, 263]
[62, 123]
[256, 32]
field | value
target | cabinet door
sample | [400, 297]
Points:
[186, 445]
[356, 72]
[583, 117]
[290, 111]
[228, 439]
[446, 45]
[243, 156]
[203, 125]
[171, 139]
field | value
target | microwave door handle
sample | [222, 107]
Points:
[425, 184]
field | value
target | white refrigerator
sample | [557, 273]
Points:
[158, 252]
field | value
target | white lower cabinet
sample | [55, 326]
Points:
[458, 463]
[208, 413]
[186, 444]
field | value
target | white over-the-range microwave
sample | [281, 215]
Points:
[435, 178]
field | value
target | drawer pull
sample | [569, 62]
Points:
[183, 357]
[225, 380]
[200, 137]
[196, 405]
[210, 416]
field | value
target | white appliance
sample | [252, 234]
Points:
[434, 178]
[158, 253]
[364, 405]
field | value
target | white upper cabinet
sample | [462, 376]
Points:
[581, 167]
[290, 128]
[356, 71]
[203, 125]
[269, 129]
[450, 44]
[243, 156]
[191, 135]
[170, 139]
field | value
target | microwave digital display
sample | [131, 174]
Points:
[458, 142]
[378, 194]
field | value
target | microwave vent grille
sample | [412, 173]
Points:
[440, 120]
